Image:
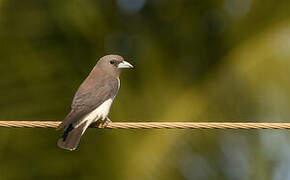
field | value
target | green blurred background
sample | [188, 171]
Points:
[224, 60]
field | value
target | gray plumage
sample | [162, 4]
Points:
[93, 99]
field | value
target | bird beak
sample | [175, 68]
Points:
[125, 64]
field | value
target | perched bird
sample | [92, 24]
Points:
[93, 100]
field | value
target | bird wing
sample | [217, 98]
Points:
[91, 94]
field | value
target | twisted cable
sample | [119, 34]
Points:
[154, 125]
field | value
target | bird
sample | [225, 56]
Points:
[93, 100]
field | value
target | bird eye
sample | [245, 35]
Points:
[112, 62]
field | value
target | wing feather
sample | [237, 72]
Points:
[91, 94]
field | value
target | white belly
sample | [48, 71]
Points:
[100, 112]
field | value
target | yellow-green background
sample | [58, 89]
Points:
[224, 60]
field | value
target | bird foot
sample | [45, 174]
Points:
[105, 123]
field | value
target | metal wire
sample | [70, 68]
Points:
[154, 125]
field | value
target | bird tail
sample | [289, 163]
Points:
[72, 136]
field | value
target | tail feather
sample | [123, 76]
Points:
[71, 137]
[67, 131]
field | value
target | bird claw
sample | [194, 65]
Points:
[105, 123]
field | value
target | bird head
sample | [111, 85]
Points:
[113, 64]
